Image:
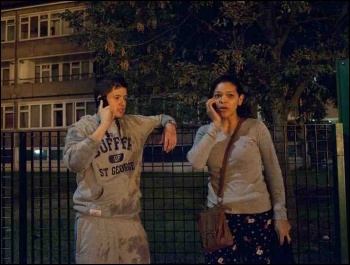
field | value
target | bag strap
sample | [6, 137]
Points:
[224, 161]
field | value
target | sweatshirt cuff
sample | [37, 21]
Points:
[93, 139]
[280, 214]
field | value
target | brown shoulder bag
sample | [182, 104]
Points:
[212, 224]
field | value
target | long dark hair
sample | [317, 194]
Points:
[245, 109]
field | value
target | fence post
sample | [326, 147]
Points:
[22, 199]
[341, 188]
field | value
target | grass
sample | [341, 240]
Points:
[313, 218]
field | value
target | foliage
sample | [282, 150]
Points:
[282, 50]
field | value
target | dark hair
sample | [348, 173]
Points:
[105, 84]
[244, 110]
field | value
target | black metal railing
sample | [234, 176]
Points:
[37, 219]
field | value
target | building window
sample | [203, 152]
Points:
[58, 115]
[85, 69]
[55, 72]
[24, 28]
[7, 117]
[37, 154]
[55, 24]
[43, 25]
[24, 117]
[46, 73]
[7, 30]
[66, 71]
[63, 71]
[5, 76]
[53, 115]
[35, 116]
[46, 117]
[69, 114]
[75, 70]
[44, 154]
[65, 28]
[34, 29]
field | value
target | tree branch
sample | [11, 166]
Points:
[210, 27]
[299, 89]
[150, 40]
[285, 33]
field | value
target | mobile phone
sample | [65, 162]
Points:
[215, 107]
[104, 100]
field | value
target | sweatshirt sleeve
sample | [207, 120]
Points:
[80, 149]
[164, 119]
[273, 173]
[203, 143]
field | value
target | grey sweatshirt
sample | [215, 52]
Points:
[108, 171]
[246, 190]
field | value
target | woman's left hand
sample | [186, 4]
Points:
[283, 228]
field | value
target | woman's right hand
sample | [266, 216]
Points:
[106, 114]
[212, 113]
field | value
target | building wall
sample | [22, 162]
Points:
[44, 90]
[42, 69]
[38, 48]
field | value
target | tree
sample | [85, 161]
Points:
[295, 48]
[282, 50]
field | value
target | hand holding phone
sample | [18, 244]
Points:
[212, 111]
[106, 114]
[104, 100]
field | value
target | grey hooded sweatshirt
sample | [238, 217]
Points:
[108, 171]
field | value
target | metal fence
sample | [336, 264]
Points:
[37, 219]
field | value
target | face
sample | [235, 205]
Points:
[227, 99]
[117, 101]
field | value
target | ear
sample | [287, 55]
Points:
[240, 99]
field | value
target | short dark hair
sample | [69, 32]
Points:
[244, 110]
[105, 84]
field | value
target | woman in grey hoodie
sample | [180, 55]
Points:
[255, 205]
[105, 150]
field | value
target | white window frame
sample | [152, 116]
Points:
[7, 25]
[5, 110]
[2, 76]
[54, 108]
[60, 71]
[51, 18]
[42, 19]
[58, 109]
[28, 28]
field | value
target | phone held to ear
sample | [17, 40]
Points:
[104, 100]
[215, 107]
